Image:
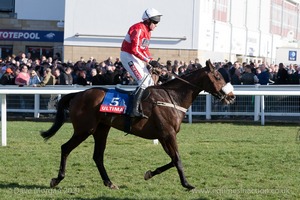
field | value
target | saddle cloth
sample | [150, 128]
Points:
[116, 101]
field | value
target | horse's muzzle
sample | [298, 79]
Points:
[228, 99]
[226, 95]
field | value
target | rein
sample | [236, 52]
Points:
[178, 77]
[173, 105]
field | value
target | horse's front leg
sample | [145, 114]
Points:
[100, 137]
[178, 164]
[170, 146]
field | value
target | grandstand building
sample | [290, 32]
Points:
[244, 30]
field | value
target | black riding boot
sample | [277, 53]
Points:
[136, 102]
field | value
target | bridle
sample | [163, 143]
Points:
[220, 97]
[216, 76]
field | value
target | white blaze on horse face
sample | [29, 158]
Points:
[227, 88]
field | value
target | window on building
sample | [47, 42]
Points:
[7, 8]
[47, 51]
[284, 18]
[38, 52]
[276, 10]
[6, 51]
[221, 10]
[289, 25]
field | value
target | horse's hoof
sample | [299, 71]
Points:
[148, 175]
[53, 183]
[190, 187]
[113, 187]
[110, 185]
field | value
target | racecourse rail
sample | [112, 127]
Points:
[258, 92]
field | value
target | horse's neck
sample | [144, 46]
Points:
[183, 93]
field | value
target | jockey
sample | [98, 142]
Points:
[135, 55]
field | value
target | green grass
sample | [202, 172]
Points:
[223, 161]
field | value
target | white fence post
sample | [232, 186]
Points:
[190, 116]
[208, 106]
[256, 108]
[262, 112]
[36, 105]
[3, 120]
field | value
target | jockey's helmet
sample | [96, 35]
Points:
[151, 14]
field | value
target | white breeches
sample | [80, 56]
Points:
[137, 69]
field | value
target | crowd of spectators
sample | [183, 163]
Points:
[259, 73]
[23, 71]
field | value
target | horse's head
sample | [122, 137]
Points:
[155, 72]
[217, 86]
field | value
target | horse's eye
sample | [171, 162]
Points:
[217, 76]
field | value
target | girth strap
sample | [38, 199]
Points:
[160, 103]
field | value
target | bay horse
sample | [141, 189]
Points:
[165, 105]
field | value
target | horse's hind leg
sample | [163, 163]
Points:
[65, 151]
[100, 137]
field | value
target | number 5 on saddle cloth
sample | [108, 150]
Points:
[117, 101]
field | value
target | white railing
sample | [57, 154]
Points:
[28, 90]
[259, 92]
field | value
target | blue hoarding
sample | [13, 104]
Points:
[31, 35]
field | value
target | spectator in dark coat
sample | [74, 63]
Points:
[8, 77]
[248, 78]
[224, 71]
[282, 75]
[98, 79]
[263, 76]
[60, 77]
[81, 80]
[110, 74]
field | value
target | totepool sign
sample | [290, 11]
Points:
[27, 35]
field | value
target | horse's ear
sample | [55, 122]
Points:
[209, 65]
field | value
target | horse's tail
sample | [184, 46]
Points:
[60, 117]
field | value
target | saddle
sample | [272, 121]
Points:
[125, 91]
[130, 91]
